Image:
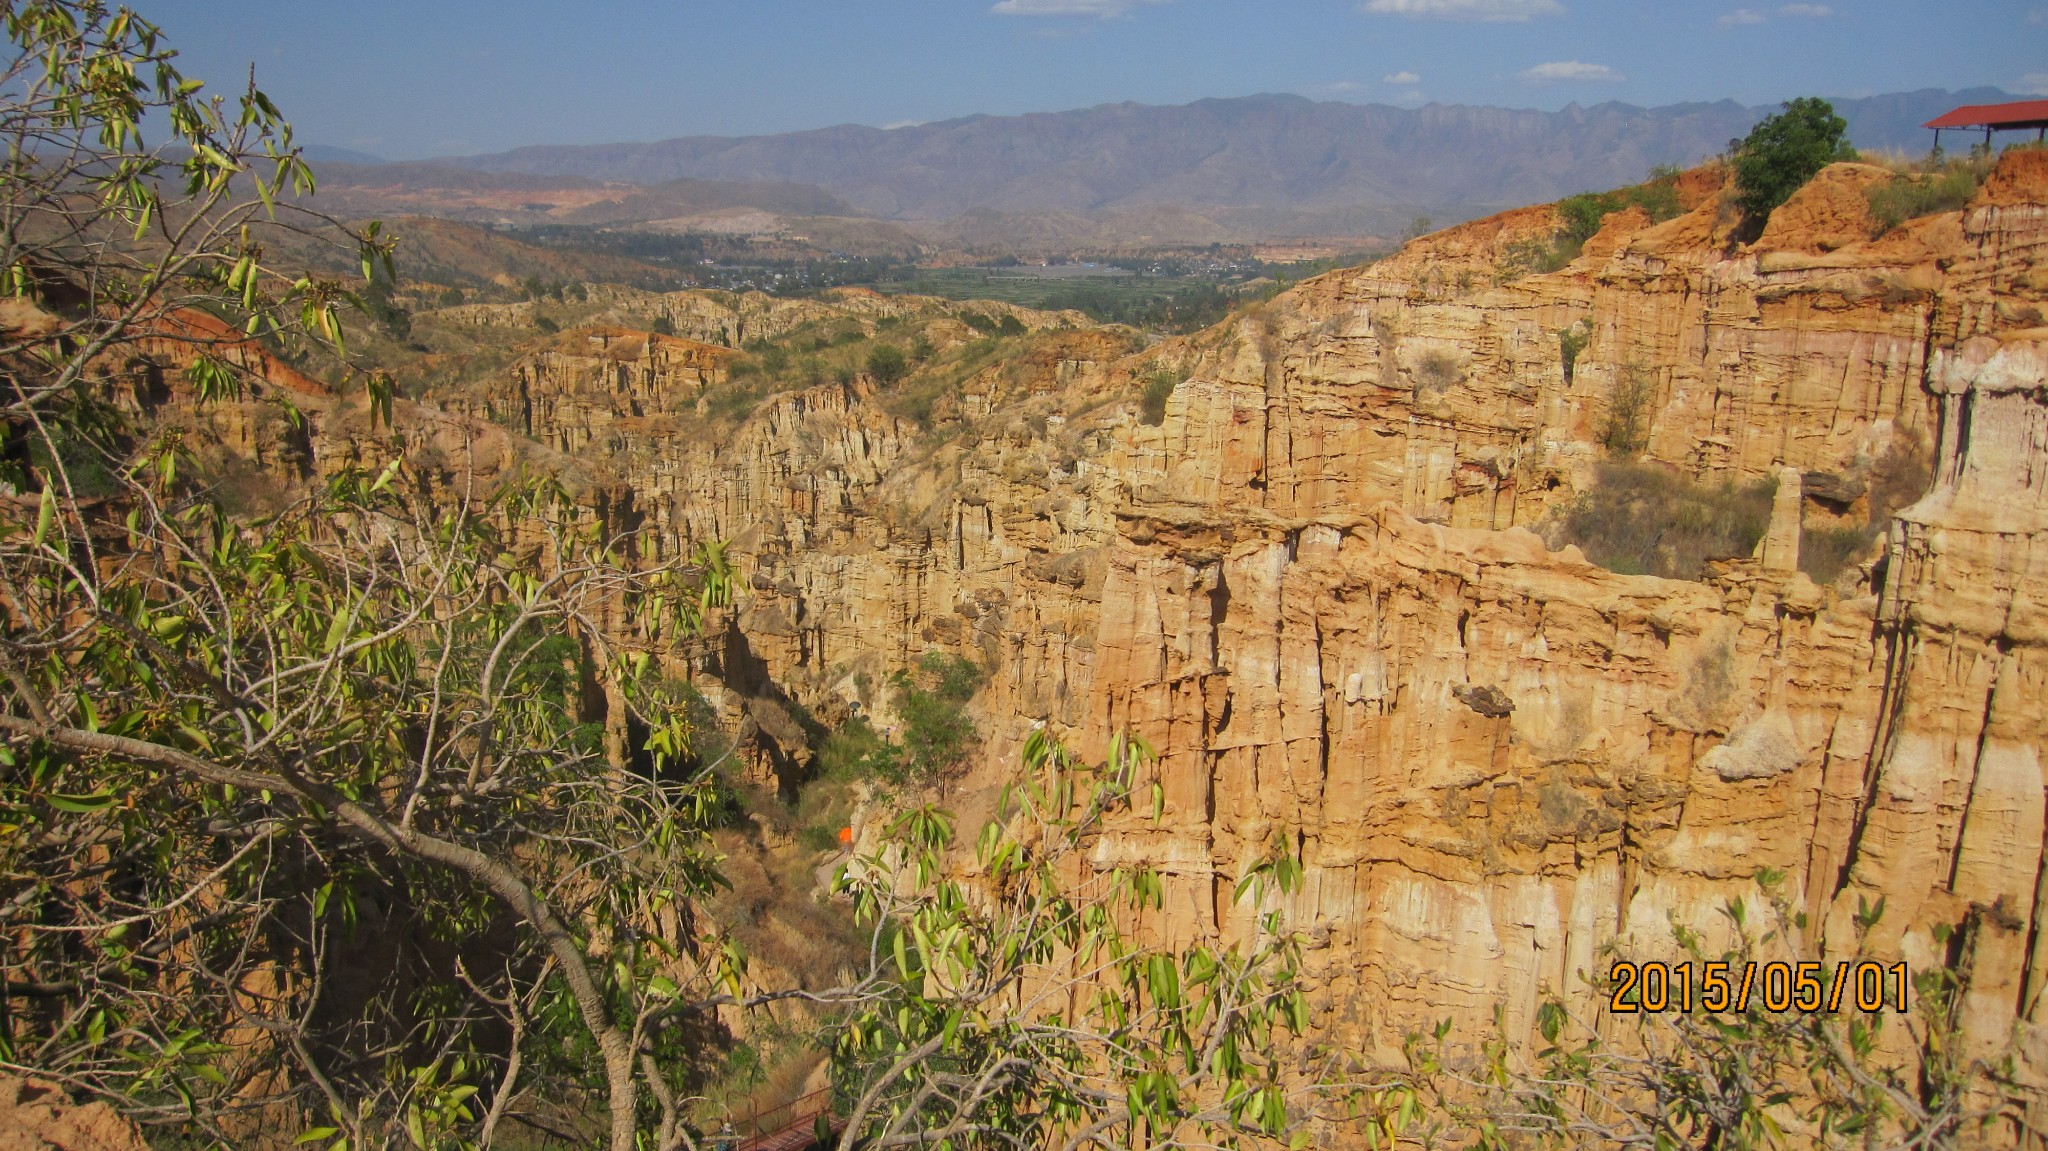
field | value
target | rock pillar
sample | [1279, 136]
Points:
[1780, 547]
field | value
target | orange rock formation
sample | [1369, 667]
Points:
[1315, 590]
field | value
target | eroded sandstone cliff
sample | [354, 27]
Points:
[1318, 588]
[1315, 588]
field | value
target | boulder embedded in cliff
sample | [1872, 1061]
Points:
[1487, 700]
[1760, 749]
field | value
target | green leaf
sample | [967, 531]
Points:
[81, 804]
[316, 1134]
[46, 514]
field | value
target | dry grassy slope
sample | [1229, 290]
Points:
[448, 252]
[444, 190]
[444, 251]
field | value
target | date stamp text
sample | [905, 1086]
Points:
[1717, 988]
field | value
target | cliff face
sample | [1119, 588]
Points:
[1497, 761]
[604, 387]
[1315, 589]
[1438, 379]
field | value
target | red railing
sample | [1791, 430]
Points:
[790, 1127]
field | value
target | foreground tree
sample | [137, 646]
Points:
[1029, 1008]
[246, 764]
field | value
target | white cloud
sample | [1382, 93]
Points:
[1742, 16]
[1809, 11]
[1102, 9]
[1492, 11]
[1401, 77]
[2034, 84]
[1570, 70]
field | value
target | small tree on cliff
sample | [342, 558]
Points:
[887, 365]
[1784, 151]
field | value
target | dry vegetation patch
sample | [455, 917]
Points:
[1648, 519]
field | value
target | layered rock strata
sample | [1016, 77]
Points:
[1317, 588]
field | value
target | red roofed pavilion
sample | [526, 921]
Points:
[2020, 114]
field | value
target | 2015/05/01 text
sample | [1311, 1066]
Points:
[1719, 987]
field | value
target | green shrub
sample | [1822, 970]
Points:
[937, 732]
[1909, 195]
[1645, 519]
[1580, 217]
[858, 751]
[547, 326]
[1784, 151]
[1582, 214]
[818, 838]
[1158, 387]
[1570, 342]
[1537, 255]
[663, 325]
[887, 364]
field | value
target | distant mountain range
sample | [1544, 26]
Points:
[1252, 167]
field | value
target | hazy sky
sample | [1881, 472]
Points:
[410, 78]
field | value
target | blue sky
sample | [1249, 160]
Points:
[411, 78]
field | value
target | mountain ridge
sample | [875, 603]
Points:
[1282, 155]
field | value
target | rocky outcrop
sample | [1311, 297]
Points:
[1952, 827]
[40, 1117]
[601, 388]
